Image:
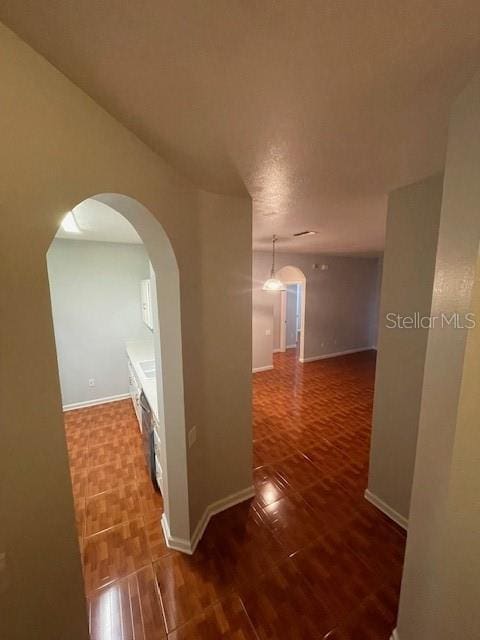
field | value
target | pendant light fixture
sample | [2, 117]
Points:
[273, 283]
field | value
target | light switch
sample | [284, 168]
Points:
[268, 332]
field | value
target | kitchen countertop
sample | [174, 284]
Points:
[142, 351]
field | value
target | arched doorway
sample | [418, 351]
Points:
[291, 275]
[168, 361]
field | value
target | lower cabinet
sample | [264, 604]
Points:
[135, 392]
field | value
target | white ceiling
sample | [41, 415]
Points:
[316, 108]
[100, 223]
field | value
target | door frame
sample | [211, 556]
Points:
[283, 317]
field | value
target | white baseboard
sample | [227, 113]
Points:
[179, 544]
[93, 403]
[189, 546]
[386, 509]
[324, 356]
[394, 635]
[268, 367]
[277, 351]
[292, 346]
[217, 507]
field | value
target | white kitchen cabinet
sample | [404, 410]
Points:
[140, 358]
[146, 302]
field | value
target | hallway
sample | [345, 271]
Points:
[307, 558]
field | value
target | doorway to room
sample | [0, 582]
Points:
[121, 382]
[289, 312]
[290, 317]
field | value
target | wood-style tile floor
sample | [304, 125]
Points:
[307, 558]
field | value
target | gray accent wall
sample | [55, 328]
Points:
[95, 294]
[408, 273]
[277, 311]
[341, 304]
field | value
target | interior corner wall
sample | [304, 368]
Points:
[341, 304]
[407, 283]
[59, 148]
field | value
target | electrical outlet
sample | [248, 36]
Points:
[192, 436]
[91, 382]
[268, 332]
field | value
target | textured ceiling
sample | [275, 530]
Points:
[316, 108]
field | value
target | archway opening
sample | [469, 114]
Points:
[289, 310]
[115, 296]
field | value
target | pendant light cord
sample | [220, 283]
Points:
[274, 239]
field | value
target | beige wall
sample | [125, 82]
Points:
[407, 281]
[226, 338]
[340, 304]
[457, 611]
[440, 588]
[57, 149]
[262, 320]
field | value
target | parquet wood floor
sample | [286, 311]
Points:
[307, 558]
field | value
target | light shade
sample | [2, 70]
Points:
[273, 284]
[69, 224]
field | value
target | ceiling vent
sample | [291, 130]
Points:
[304, 233]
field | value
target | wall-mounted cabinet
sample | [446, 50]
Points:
[146, 302]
